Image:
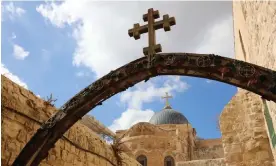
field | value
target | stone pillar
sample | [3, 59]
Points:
[255, 40]
[244, 137]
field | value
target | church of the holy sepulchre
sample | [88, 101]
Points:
[166, 139]
[35, 132]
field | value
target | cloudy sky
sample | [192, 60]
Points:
[62, 47]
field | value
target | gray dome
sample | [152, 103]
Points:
[168, 116]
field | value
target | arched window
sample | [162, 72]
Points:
[142, 159]
[168, 161]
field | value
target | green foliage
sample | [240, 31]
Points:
[269, 123]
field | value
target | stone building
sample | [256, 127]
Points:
[168, 138]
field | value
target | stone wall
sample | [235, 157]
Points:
[209, 149]
[244, 136]
[255, 39]
[22, 113]
[210, 162]
[96, 126]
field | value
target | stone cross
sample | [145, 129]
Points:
[166, 97]
[150, 17]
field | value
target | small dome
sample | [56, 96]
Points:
[168, 116]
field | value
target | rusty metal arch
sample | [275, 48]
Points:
[251, 77]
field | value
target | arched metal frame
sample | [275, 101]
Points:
[251, 77]
[142, 159]
[169, 159]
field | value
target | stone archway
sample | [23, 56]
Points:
[251, 77]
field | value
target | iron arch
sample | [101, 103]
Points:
[251, 77]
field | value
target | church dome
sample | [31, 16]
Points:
[168, 116]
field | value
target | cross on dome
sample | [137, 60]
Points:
[166, 97]
[168, 115]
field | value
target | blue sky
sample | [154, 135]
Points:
[60, 48]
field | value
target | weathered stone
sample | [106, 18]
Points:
[17, 130]
[20, 119]
[11, 146]
[64, 155]
[51, 157]
[236, 148]
[78, 162]
[263, 155]
[242, 144]
[57, 152]
[251, 145]
[44, 164]
[22, 135]
[235, 157]
[249, 156]
[70, 157]
[82, 155]
[210, 162]
[255, 21]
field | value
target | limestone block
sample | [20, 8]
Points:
[235, 157]
[44, 164]
[211, 162]
[56, 152]
[78, 162]
[64, 155]
[247, 156]
[242, 143]
[82, 155]
[263, 155]
[70, 157]
[252, 146]
[12, 158]
[51, 158]
[7, 114]
[22, 136]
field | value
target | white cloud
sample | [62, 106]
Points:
[145, 92]
[219, 39]
[131, 117]
[97, 45]
[142, 93]
[100, 30]
[12, 11]
[19, 52]
[14, 78]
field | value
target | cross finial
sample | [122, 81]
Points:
[150, 17]
[166, 97]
